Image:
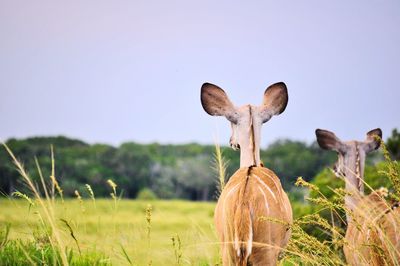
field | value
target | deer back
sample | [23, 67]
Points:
[254, 213]
[373, 234]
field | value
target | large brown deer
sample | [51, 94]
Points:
[253, 213]
[373, 226]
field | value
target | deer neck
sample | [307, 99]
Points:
[250, 147]
[354, 184]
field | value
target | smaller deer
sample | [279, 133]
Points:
[373, 226]
[253, 212]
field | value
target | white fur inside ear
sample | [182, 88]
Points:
[264, 114]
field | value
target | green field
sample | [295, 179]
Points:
[101, 227]
[42, 228]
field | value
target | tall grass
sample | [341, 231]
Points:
[60, 231]
[59, 239]
[392, 171]
[91, 194]
[329, 251]
[113, 194]
[177, 246]
[48, 212]
[318, 238]
[149, 210]
[220, 165]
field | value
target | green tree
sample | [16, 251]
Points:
[291, 159]
[393, 144]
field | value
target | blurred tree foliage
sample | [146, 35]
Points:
[393, 144]
[170, 171]
[291, 159]
[327, 181]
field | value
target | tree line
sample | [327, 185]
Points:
[169, 171]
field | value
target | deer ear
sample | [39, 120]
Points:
[371, 143]
[327, 140]
[215, 102]
[275, 101]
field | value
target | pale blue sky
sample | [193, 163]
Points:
[115, 71]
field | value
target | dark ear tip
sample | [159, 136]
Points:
[376, 131]
[379, 132]
[320, 132]
[205, 86]
[325, 139]
[280, 84]
[372, 140]
[284, 107]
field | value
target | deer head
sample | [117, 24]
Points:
[351, 158]
[246, 121]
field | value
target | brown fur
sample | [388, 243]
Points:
[241, 212]
[373, 235]
[253, 194]
[373, 230]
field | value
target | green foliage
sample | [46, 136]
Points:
[373, 175]
[318, 238]
[21, 253]
[170, 171]
[393, 144]
[146, 194]
[41, 252]
[327, 181]
[331, 187]
[4, 235]
[317, 234]
[290, 159]
[376, 178]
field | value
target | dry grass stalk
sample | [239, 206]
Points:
[57, 242]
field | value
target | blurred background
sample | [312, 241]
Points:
[115, 87]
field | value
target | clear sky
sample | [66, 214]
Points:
[116, 71]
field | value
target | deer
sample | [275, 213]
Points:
[373, 226]
[253, 213]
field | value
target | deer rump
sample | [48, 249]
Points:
[252, 217]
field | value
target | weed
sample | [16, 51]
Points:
[176, 244]
[25, 197]
[4, 235]
[220, 165]
[91, 194]
[79, 198]
[149, 210]
[114, 192]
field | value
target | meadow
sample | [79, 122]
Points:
[44, 228]
[131, 232]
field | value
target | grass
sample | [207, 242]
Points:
[367, 217]
[323, 244]
[103, 230]
[51, 230]
[19, 252]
